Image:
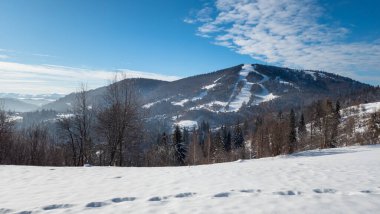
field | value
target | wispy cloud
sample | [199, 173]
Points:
[289, 33]
[35, 79]
[202, 15]
[3, 56]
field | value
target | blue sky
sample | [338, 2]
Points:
[51, 46]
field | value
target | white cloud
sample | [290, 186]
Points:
[2, 56]
[36, 79]
[289, 33]
[202, 15]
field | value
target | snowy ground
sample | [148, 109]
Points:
[342, 180]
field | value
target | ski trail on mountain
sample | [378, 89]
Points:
[238, 98]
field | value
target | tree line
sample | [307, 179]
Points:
[113, 134]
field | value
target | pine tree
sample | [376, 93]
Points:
[238, 142]
[218, 149]
[302, 125]
[186, 136]
[226, 136]
[302, 132]
[179, 147]
[238, 138]
[292, 133]
[228, 144]
[335, 125]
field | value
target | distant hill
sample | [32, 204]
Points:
[11, 104]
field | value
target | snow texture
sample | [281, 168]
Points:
[341, 180]
[14, 118]
[63, 116]
[312, 74]
[148, 105]
[187, 123]
[200, 96]
[208, 87]
[362, 114]
[180, 103]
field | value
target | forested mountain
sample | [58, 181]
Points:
[226, 95]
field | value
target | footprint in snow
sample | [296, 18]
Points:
[185, 195]
[325, 191]
[118, 200]
[289, 192]
[156, 198]
[25, 212]
[96, 204]
[4, 210]
[222, 195]
[57, 206]
[251, 190]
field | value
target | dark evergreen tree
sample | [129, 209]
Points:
[292, 133]
[218, 149]
[186, 136]
[226, 137]
[337, 109]
[164, 139]
[179, 147]
[238, 138]
[335, 125]
[228, 144]
[302, 125]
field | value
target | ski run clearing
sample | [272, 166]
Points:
[238, 98]
[341, 180]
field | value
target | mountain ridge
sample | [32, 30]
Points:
[228, 94]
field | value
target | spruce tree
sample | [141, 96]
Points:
[302, 125]
[228, 142]
[179, 147]
[218, 149]
[186, 136]
[335, 125]
[238, 138]
[226, 136]
[292, 133]
[302, 132]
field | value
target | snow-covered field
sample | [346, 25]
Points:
[341, 180]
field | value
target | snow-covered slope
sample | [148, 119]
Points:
[360, 114]
[342, 180]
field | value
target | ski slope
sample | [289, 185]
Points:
[244, 95]
[238, 98]
[341, 180]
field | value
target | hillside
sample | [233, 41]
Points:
[224, 96]
[341, 180]
[11, 104]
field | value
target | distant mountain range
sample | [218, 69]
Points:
[227, 95]
[26, 102]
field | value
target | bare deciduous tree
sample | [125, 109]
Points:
[119, 120]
